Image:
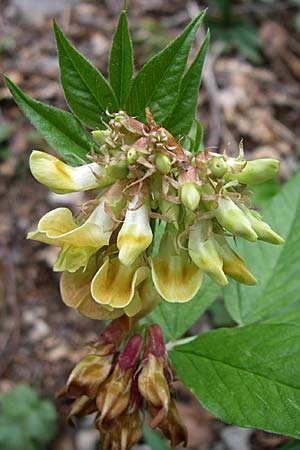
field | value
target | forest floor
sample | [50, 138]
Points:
[255, 99]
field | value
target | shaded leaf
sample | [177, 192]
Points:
[121, 61]
[276, 268]
[181, 118]
[87, 92]
[246, 376]
[156, 85]
[61, 129]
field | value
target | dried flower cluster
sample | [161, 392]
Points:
[119, 381]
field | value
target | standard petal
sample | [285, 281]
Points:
[135, 235]
[76, 292]
[175, 277]
[61, 178]
[114, 284]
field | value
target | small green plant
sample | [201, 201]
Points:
[26, 421]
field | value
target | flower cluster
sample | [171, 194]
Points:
[111, 259]
[120, 386]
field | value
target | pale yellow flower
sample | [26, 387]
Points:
[135, 235]
[62, 178]
[115, 285]
[77, 242]
[176, 278]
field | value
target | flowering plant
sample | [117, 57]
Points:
[152, 248]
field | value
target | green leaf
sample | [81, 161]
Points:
[292, 445]
[87, 92]
[275, 267]
[263, 193]
[181, 118]
[61, 130]
[121, 61]
[154, 440]
[176, 318]
[246, 376]
[157, 83]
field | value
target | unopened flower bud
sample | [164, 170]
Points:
[262, 229]
[171, 211]
[190, 195]
[232, 218]
[118, 170]
[233, 265]
[101, 135]
[218, 166]
[163, 163]
[258, 171]
[131, 155]
[205, 252]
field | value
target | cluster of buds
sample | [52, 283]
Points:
[119, 382]
[145, 176]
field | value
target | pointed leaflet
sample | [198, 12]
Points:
[246, 376]
[61, 129]
[87, 92]
[181, 118]
[176, 318]
[121, 61]
[156, 85]
[276, 268]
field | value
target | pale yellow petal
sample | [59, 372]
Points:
[134, 306]
[76, 293]
[175, 277]
[135, 235]
[94, 232]
[149, 297]
[114, 284]
[41, 237]
[72, 258]
[62, 178]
